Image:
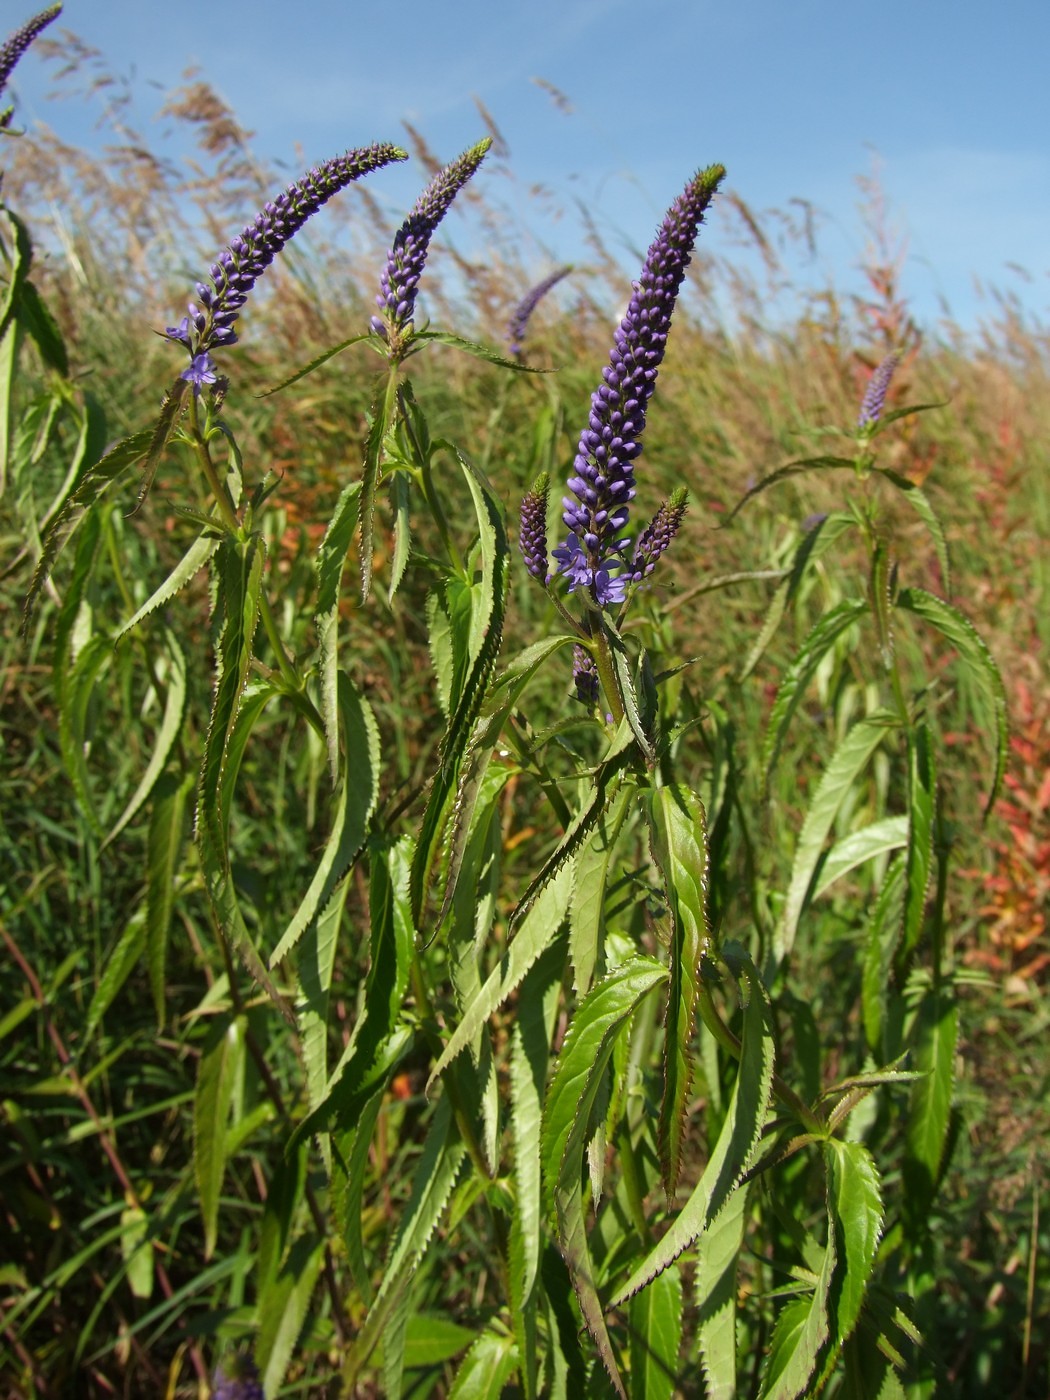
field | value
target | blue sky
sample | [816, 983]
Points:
[795, 97]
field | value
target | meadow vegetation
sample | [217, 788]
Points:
[761, 1109]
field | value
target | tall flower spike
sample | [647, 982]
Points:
[875, 395]
[658, 534]
[13, 48]
[404, 265]
[528, 304]
[237, 269]
[603, 476]
[532, 536]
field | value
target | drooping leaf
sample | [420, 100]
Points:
[919, 502]
[922, 809]
[315, 363]
[331, 561]
[801, 671]
[796, 468]
[188, 567]
[117, 969]
[934, 1040]
[282, 1310]
[678, 828]
[734, 1150]
[220, 1067]
[486, 636]
[42, 328]
[600, 1019]
[354, 804]
[656, 1336]
[537, 931]
[842, 771]
[167, 835]
[962, 634]
[878, 839]
[718, 1251]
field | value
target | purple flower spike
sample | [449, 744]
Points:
[236, 270]
[658, 534]
[603, 475]
[237, 1379]
[875, 394]
[584, 676]
[522, 312]
[532, 536]
[404, 265]
[13, 48]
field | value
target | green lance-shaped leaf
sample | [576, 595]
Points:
[878, 839]
[814, 545]
[802, 670]
[884, 931]
[934, 1040]
[735, 1148]
[282, 1310]
[170, 409]
[116, 969]
[579, 1075]
[537, 930]
[922, 810]
[796, 468]
[500, 700]
[881, 601]
[96, 482]
[435, 1177]
[801, 1331]
[962, 634]
[919, 502]
[378, 1038]
[354, 804]
[855, 1200]
[90, 445]
[431, 1338]
[583, 823]
[384, 407]
[718, 1254]
[187, 569]
[678, 834]
[487, 1367]
[174, 677]
[239, 570]
[844, 767]
[529, 1055]
[479, 352]
[315, 363]
[656, 1336]
[220, 1068]
[331, 561]
[42, 328]
[9, 346]
[626, 690]
[402, 534]
[349, 1175]
[587, 913]
[136, 1250]
[486, 634]
[16, 256]
[75, 694]
[167, 837]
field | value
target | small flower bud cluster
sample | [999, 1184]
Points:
[585, 676]
[404, 265]
[658, 534]
[532, 536]
[237, 1379]
[875, 395]
[603, 477]
[211, 319]
[523, 311]
[13, 48]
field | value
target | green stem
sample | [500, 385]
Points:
[606, 674]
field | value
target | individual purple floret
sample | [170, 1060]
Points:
[520, 320]
[532, 536]
[237, 1379]
[875, 394]
[211, 319]
[404, 265]
[603, 476]
[658, 534]
[584, 676]
[14, 47]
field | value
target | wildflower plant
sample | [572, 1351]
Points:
[511, 1026]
